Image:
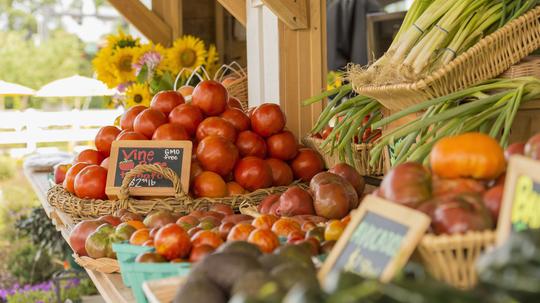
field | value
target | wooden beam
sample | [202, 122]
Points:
[237, 8]
[146, 21]
[170, 11]
[294, 13]
[303, 69]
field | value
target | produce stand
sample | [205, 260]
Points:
[110, 286]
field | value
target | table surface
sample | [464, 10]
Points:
[110, 286]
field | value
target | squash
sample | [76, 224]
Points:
[468, 155]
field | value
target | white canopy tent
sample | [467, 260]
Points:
[75, 86]
[13, 89]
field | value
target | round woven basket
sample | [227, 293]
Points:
[80, 209]
[237, 88]
[452, 259]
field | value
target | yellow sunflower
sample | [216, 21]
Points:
[103, 68]
[122, 63]
[212, 61]
[122, 40]
[138, 94]
[187, 52]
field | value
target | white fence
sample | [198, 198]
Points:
[31, 127]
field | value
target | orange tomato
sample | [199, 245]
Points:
[140, 236]
[265, 239]
[264, 221]
[207, 237]
[240, 232]
[89, 156]
[172, 241]
[136, 224]
[104, 138]
[209, 184]
[235, 189]
[284, 226]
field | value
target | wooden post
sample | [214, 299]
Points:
[237, 8]
[303, 68]
[171, 12]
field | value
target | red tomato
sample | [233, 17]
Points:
[127, 135]
[90, 182]
[211, 97]
[237, 118]
[170, 131]
[234, 103]
[282, 173]
[209, 184]
[188, 116]
[166, 100]
[326, 132]
[266, 240]
[172, 242]
[207, 237]
[282, 146]
[268, 119]
[148, 121]
[216, 126]
[307, 164]
[251, 144]
[89, 156]
[253, 173]
[104, 138]
[71, 174]
[105, 163]
[218, 155]
[126, 121]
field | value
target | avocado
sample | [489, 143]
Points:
[240, 247]
[256, 284]
[298, 254]
[271, 261]
[291, 274]
[200, 290]
[225, 269]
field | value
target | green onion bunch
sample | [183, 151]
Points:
[434, 32]
[489, 108]
[352, 115]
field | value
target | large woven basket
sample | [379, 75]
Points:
[239, 87]
[452, 259]
[361, 157]
[490, 57]
[80, 209]
[529, 66]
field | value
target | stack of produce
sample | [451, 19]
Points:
[435, 32]
[234, 152]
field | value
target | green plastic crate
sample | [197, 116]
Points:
[138, 273]
[126, 252]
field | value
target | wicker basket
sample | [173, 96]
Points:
[529, 66]
[452, 259]
[489, 58]
[80, 209]
[361, 157]
[239, 87]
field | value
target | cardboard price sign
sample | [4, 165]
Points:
[126, 155]
[520, 209]
[378, 241]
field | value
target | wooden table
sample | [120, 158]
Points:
[110, 286]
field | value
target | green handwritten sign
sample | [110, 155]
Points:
[379, 240]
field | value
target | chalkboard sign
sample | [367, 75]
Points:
[378, 241]
[126, 155]
[520, 209]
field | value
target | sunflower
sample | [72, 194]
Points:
[187, 52]
[212, 61]
[122, 63]
[137, 94]
[122, 41]
[103, 68]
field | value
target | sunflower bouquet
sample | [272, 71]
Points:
[139, 71]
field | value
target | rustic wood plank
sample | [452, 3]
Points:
[294, 13]
[146, 21]
[237, 8]
[170, 11]
[303, 69]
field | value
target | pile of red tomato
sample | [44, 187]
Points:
[234, 152]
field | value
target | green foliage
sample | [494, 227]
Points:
[32, 296]
[42, 233]
[31, 265]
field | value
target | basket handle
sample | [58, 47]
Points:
[166, 172]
